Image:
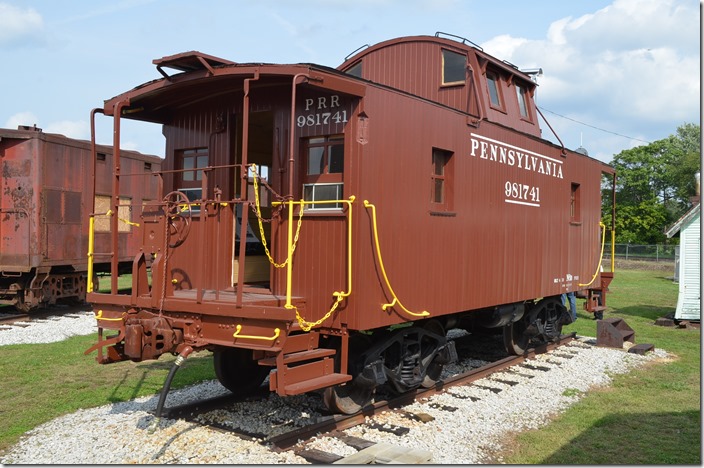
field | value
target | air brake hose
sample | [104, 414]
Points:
[167, 385]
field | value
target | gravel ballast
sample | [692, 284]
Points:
[464, 424]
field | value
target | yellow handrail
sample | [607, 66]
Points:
[613, 250]
[339, 295]
[99, 316]
[277, 332]
[601, 256]
[383, 270]
[91, 248]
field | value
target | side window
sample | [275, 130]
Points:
[575, 215]
[324, 161]
[493, 83]
[124, 214]
[441, 180]
[522, 101]
[189, 182]
[355, 70]
[193, 159]
[453, 67]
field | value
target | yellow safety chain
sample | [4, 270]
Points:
[601, 256]
[261, 225]
[383, 270]
[306, 326]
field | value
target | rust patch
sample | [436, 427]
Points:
[16, 168]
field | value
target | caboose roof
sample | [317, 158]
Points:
[203, 79]
[465, 45]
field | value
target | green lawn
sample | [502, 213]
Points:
[649, 416]
[44, 381]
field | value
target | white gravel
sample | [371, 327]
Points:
[49, 329]
[473, 433]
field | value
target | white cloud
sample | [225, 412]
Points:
[72, 129]
[20, 26]
[631, 67]
[503, 46]
[22, 118]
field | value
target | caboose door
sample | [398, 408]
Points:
[260, 150]
[16, 212]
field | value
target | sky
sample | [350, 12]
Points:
[616, 73]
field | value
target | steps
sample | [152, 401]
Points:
[302, 367]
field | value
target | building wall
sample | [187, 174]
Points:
[689, 298]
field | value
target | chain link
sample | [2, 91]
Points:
[258, 213]
[307, 326]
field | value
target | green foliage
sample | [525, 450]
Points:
[654, 185]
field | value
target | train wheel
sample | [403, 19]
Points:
[516, 339]
[541, 324]
[352, 396]
[432, 374]
[237, 371]
[348, 398]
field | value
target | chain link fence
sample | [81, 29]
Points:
[654, 253]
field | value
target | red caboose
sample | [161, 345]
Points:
[407, 192]
[49, 185]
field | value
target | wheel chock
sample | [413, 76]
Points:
[613, 332]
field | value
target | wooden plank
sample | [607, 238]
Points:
[383, 453]
[318, 457]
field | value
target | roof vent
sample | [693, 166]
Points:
[190, 61]
[27, 128]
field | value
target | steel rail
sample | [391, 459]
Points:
[341, 422]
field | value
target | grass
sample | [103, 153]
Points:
[44, 381]
[649, 416]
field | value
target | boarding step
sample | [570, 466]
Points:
[317, 383]
[301, 342]
[613, 332]
[300, 356]
[306, 377]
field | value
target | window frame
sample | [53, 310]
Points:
[446, 178]
[523, 94]
[495, 78]
[445, 65]
[575, 203]
[324, 177]
[192, 176]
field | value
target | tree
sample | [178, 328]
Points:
[655, 183]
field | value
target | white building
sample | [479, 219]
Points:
[689, 298]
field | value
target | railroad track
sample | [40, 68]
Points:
[333, 425]
[13, 318]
